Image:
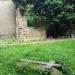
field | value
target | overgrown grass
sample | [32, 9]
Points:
[61, 51]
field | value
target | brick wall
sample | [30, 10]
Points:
[23, 32]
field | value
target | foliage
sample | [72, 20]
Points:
[57, 16]
[31, 20]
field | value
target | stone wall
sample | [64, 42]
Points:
[23, 32]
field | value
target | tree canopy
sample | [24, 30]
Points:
[57, 16]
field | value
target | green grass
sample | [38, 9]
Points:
[61, 51]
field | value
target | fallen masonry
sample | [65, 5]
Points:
[45, 68]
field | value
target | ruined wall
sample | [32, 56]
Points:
[7, 18]
[13, 24]
[25, 33]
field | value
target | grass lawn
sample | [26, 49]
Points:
[61, 51]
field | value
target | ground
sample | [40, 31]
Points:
[62, 51]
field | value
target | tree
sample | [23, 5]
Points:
[57, 16]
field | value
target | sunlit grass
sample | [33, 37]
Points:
[61, 51]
